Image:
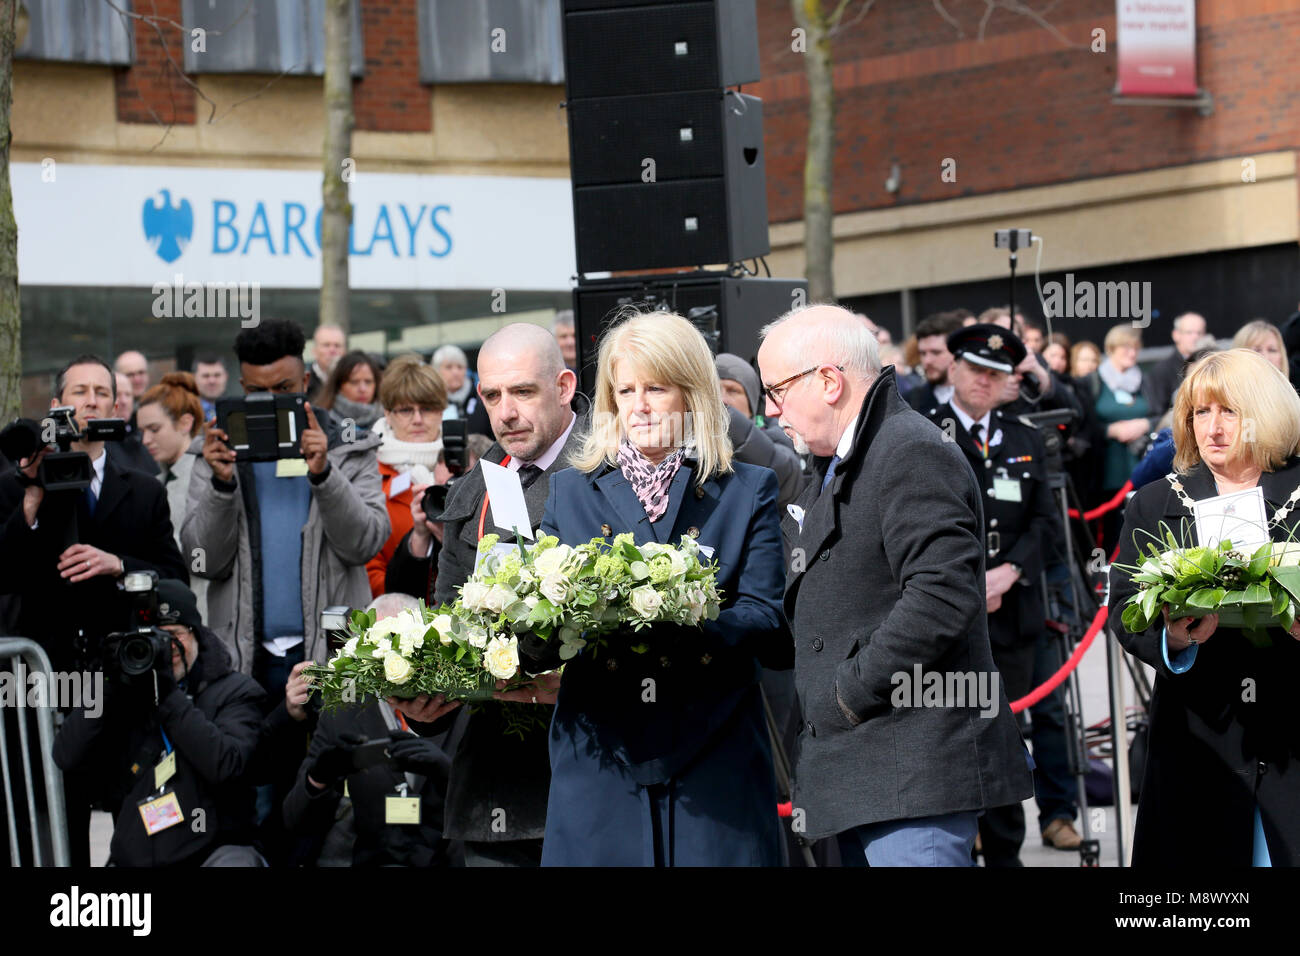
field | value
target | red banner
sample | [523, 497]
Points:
[1157, 47]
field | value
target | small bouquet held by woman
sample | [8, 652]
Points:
[549, 600]
[1252, 591]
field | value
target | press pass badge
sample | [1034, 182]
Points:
[164, 770]
[1006, 489]
[290, 467]
[161, 812]
[402, 810]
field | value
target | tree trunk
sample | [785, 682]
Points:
[819, 244]
[339, 166]
[11, 356]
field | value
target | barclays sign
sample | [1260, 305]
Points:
[279, 231]
[264, 226]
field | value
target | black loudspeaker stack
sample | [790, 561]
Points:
[666, 159]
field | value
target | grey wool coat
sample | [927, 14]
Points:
[887, 573]
[347, 524]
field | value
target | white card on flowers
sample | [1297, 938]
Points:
[506, 494]
[1239, 517]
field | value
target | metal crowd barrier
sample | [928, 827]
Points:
[35, 660]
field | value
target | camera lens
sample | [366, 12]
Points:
[136, 656]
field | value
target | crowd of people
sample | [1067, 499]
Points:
[856, 541]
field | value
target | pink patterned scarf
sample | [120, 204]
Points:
[650, 482]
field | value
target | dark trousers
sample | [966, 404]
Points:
[1054, 787]
[1002, 829]
[503, 853]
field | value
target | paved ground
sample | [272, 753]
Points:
[1092, 674]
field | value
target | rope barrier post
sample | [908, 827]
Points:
[1119, 752]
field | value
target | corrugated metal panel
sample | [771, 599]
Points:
[460, 42]
[77, 31]
[264, 36]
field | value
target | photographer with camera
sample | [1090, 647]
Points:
[282, 539]
[169, 754]
[413, 398]
[528, 394]
[76, 520]
[393, 772]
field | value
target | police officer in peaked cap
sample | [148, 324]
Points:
[1020, 524]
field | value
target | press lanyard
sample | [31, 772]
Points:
[166, 743]
[483, 511]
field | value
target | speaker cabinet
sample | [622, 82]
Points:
[614, 48]
[743, 305]
[700, 200]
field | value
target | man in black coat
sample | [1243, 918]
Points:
[907, 732]
[1161, 381]
[932, 345]
[171, 764]
[496, 799]
[64, 551]
[1008, 461]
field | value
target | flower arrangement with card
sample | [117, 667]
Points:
[1249, 591]
[522, 613]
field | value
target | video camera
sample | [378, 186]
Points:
[263, 426]
[64, 470]
[1051, 427]
[129, 656]
[454, 438]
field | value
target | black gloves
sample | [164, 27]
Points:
[334, 763]
[417, 755]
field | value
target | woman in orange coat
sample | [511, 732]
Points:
[414, 398]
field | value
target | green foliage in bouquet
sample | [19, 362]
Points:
[577, 595]
[1250, 592]
[411, 653]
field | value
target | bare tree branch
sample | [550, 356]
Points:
[856, 20]
[943, 12]
[1014, 6]
[157, 23]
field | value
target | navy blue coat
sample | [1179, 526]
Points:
[677, 771]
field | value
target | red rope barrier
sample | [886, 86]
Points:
[1055, 681]
[786, 810]
[1111, 505]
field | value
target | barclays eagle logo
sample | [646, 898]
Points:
[167, 227]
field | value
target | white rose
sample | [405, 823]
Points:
[532, 601]
[397, 669]
[350, 648]
[552, 560]
[645, 601]
[555, 588]
[502, 658]
[444, 625]
[477, 637]
[472, 595]
[498, 598]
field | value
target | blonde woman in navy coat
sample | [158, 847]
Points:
[663, 758]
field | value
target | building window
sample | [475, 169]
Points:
[263, 36]
[492, 41]
[77, 31]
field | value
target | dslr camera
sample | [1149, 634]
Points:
[131, 655]
[454, 434]
[63, 470]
